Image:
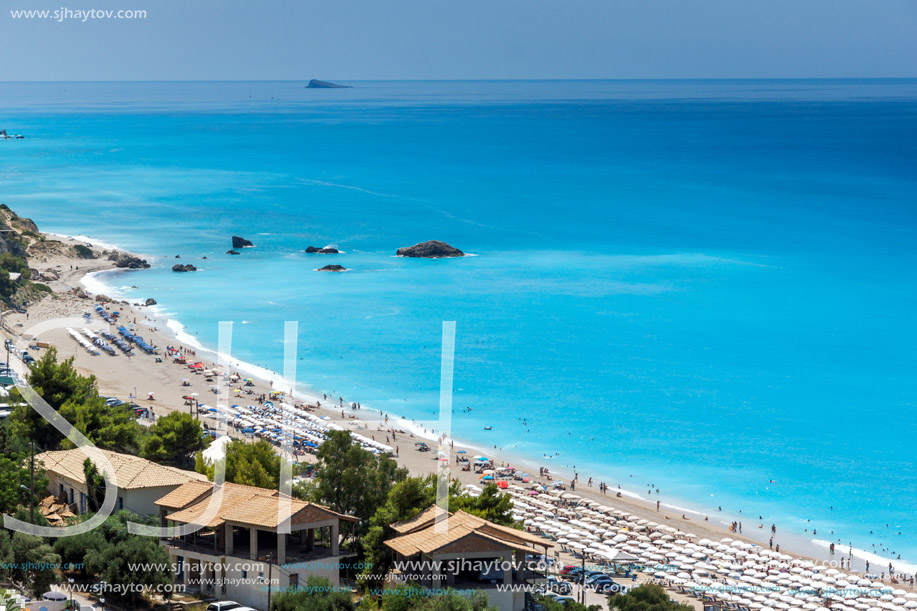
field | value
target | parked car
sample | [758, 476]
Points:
[226, 605]
[592, 576]
[553, 584]
[113, 401]
[610, 587]
[575, 574]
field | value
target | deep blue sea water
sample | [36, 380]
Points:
[706, 285]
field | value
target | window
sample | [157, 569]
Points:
[120, 502]
[294, 581]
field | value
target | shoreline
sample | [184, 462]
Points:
[367, 421]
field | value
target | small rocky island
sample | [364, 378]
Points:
[317, 84]
[124, 260]
[434, 249]
[238, 242]
[323, 251]
[178, 267]
[332, 268]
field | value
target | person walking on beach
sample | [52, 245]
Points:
[657, 505]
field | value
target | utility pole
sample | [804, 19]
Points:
[270, 577]
[32, 479]
[583, 592]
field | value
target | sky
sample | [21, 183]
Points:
[461, 39]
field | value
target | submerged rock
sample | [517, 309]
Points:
[332, 268]
[233, 252]
[238, 242]
[183, 268]
[434, 249]
[323, 251]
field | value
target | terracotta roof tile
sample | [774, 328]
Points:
[130, 472]
[241, 504]
[463, 533]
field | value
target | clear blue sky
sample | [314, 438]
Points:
[464, 39]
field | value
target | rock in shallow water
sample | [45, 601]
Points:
[434, 249]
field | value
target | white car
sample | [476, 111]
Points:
[226, 605]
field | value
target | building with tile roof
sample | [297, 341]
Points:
[248, 537]
[140, 482]
[437, 549]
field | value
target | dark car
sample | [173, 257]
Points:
[553, 584]
[610, 587]
[575, 574]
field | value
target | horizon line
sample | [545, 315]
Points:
[483, 80]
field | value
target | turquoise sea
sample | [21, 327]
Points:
[704, 285]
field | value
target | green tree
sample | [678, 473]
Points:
[351, 480]
[549, 604]
[318, 595]
[95, 485]
[249, 464]
[74, 550]
[648, 597]
[408, 498]
[174, 439]
[6, 555]
[15, 473]
[34, 562]
[76, 398]
[414, 598]
[58, 383]
[491, 505]
[118, 557]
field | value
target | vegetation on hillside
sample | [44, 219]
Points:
[76, 398]
[648, 597]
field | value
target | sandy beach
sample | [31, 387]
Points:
[140, 375]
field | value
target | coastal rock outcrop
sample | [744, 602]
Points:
[317, 84]
[127, 261]
[434, 249]
[83, 252]
[149, 302]
[332, 268]
[47, 275]
[233, 252]
[183, 268]
[103, 298]
[323, 251]
[238, 242]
